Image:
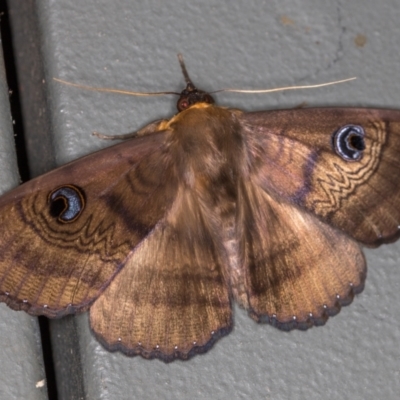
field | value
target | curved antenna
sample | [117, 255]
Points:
[281, 89]
[192, 86]
[126, 92]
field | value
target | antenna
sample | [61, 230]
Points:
[184, 70]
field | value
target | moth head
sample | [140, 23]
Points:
[191, 95]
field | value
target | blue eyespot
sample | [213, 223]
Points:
[66, 203]
[349, 142]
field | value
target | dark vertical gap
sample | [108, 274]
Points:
[18, 127]
[59, 337]
[48, 358]
[12, 82]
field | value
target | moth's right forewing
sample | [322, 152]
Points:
[297, 157]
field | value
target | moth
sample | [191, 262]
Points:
[158, 235]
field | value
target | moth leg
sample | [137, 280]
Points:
[148, 129]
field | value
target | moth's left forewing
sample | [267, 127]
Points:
[66, 234]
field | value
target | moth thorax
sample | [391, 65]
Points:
[206, 139]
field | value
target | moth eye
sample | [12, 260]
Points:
[349, 142]
[66, 203]
[183, 104]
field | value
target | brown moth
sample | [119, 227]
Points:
[157, 236]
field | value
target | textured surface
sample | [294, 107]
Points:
[125, 44]
[21, 364]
